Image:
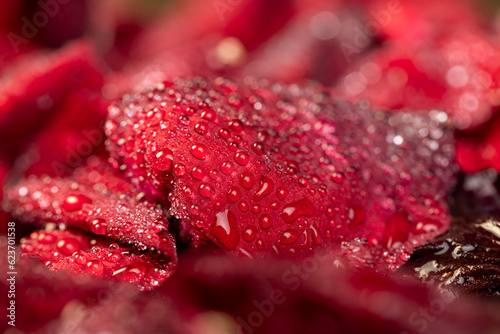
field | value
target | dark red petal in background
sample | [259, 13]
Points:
[454, 73]
[313, 296]
[68, 139]
[479, 149]
[42, 295]
[31, 91]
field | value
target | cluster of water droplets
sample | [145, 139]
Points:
[326, 171]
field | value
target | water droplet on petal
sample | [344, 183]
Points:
[289, 237]
[197, 173]
[249, 234]
[199, 151]
[94, 268]
[75, 202]
[206, 190]
[396, 230]
[224, 229]
[426, 226]
[233, 195]
[68, 246]
[99, 226]
[292, 211]
[266, 186]
[226, 168]
[242, 158]
[265, 221]
[247, 180]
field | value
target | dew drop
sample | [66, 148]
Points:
[201, 128]
[337, 177]
[357, 215]
[249, 234]
[258, 148]
[233, 195]
[206, 190]
[426, 226]
[226, 168]
[164, 160]
[289, 237]
[68, 246]
[243, 206]
[303, 182]
[256, 208]
[265, 221]
[79, 257]
[266, 186]
[75, 202]
[179, 170]
[396, 230]
[197, 173]
[114, 257]
[236, 125]
[132, 273]
[224, 229]
[247, 180]
[242, 158]
[46, 238]
[292, 211]
[282, 193]
[224, 133]
[208, 114]
[99, 226]
[94, 268]
[199, 151]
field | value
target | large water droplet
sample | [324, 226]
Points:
[226, 168]
[357, 215]
[282, 193]
[292, 211]
[132, 273]
[164, 160]
[225, 230]
[242, 158]
[266, 186]
[426, 226]
[46, 238]
[236, 125]
[201, 128]
[208, 114]
[289, 237]
[197, 173]
[199, 151]
[75, 202]
[206, 190]
[249, 234]
[233, 195]
[396, 230]
[247, 180]
[258, 148]
[224, 133]
[337, 177]
[179, 170]
[99, 226]
[68, 246]
[265, 221]
[94, 268]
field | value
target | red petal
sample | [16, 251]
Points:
[82, 254]
[329, 164]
